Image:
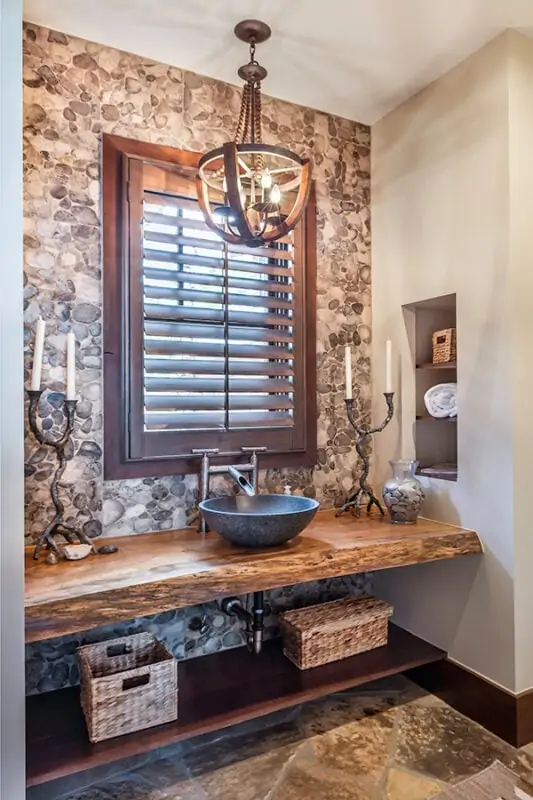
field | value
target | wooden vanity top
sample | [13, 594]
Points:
[157, 572]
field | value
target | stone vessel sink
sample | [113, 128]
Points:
[264, 520]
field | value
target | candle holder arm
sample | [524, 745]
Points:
[57, 524]
[356, 498]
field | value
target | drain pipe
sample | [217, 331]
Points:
[254, 620]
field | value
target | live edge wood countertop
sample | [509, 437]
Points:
[157, 572]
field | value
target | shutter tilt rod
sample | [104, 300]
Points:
[208, 469]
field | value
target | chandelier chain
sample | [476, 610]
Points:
[244, 114]
[257, 117]
[248, 111]
[259, 162]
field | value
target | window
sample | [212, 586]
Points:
[206, 344]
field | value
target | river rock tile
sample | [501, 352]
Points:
[74, 91]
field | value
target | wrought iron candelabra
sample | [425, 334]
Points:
[57, 524]
[356, 498]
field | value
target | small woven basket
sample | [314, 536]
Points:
[445, 346]
[331, 631]
[127, 684]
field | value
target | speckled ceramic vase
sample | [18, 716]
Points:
[403, 493]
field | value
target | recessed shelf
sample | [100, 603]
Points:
[435, 438]
[450, 365]
[214, 692]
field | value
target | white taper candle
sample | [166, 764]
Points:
[348, 370]
[38, 355]
[71, 366]
[388, 366]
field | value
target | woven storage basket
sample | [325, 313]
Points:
[332, 631]
[127, 684]
[445, 346]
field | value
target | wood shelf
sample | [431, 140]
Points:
[214, 692]
[449, 365]
[443, 476]
[429, 418]
[158, 572]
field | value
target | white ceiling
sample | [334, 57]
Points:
[356, 58]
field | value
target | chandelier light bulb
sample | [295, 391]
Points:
[275, 194]
[266, 180]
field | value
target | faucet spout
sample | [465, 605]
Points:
[241, 481]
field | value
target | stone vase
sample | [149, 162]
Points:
[403, 493]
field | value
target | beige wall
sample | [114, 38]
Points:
[521, 170]
[441, 224]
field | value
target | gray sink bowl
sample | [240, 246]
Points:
[264, 520]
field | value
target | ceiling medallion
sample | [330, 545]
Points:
[252, 193]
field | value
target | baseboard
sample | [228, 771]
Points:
[525, 717]
[508, 716]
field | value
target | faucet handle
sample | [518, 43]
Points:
[207, 452]
[254, 463]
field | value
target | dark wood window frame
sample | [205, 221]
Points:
[123, 380]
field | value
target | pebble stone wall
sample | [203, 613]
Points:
[74, 91]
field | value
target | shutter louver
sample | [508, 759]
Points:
[218, 325]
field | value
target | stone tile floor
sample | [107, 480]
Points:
[388, 740]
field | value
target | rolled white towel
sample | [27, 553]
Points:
[441, 400]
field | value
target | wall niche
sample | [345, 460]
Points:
[435, 438]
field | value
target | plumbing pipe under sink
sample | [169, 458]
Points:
[254, 621]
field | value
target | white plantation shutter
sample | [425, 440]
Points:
[218, 325]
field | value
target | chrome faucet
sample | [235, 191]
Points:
[242, 482]
[207, 469]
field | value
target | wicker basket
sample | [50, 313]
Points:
[332, 631]
[445, 346]
[127, 684]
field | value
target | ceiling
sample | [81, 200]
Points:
[355, 58]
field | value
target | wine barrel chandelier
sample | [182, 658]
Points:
[252, 193]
